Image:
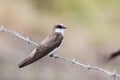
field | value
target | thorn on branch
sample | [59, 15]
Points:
[89, 66]
[15, 34]
[28, 40]
[2, 29]
[53, 55]
[73, 61]
[114, 75]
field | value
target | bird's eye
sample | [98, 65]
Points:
[59, 26]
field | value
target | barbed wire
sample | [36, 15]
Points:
[17, 35]
[113, 74]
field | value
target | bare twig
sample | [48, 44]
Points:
[73, 61]
[88, 66]
[17, 35]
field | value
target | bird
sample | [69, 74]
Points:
[47, 46]
[114, 55]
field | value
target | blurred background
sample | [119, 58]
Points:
[93, 33]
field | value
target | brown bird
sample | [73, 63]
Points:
[47, 46]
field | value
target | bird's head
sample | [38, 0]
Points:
[59, 28]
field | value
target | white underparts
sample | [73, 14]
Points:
[60, 31]
[52, 52]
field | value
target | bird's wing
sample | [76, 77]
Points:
[50, 44]
[34, 56]
[54, 40]
[43, 49]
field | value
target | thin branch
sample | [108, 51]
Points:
[17, 35]
[113, 74]
[88, 66]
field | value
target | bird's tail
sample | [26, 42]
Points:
[30, 59]
[27, 61]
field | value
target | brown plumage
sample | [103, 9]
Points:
[48, 45]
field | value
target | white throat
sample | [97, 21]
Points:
[60, 31]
